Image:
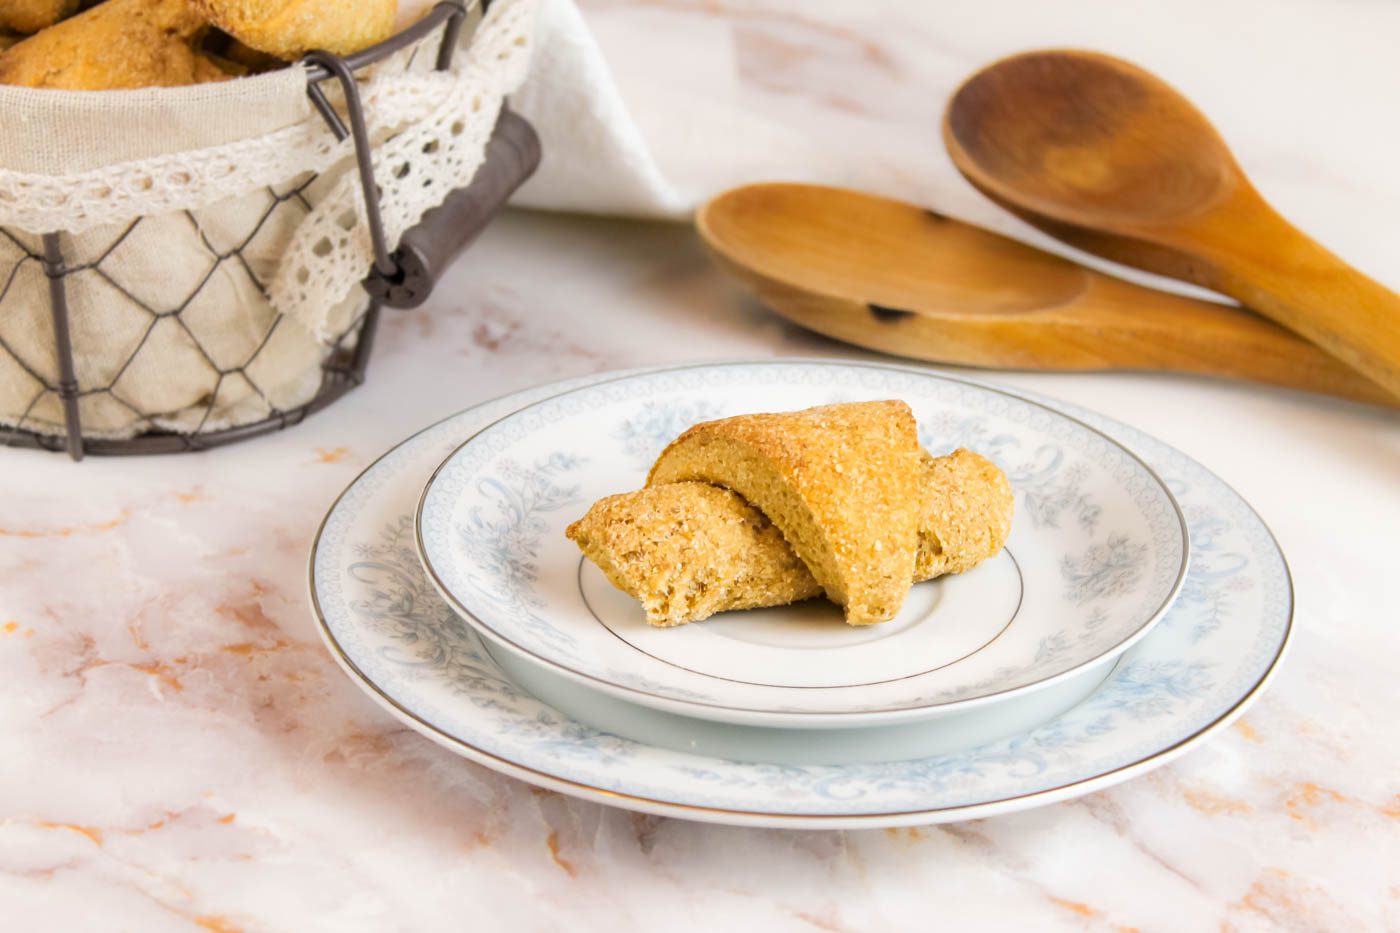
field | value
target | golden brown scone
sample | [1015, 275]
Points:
[117, 44]
[969, 513]
[33, 15]
[8, 39]
[841, 482]
[663, 543]
[289, 29]
[689, 550]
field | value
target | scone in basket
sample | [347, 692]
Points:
[185, 267]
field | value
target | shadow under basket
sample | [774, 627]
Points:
[402, 278]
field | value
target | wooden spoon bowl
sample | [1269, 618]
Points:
[1089, 131]
[1111, 158]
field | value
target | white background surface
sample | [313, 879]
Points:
[178, 752]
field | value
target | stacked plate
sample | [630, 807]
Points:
[1139, 605]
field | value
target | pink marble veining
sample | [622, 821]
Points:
[177, 751]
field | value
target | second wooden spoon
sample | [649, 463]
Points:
[1111, 158]
[897, 278]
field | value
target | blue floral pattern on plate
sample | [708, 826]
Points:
[1095, 518]
[1193, 673]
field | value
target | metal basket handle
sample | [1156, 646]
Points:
[430, 246]
[405, 277]
[323, 65]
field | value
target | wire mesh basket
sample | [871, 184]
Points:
[211, 257]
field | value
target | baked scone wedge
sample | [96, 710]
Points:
[841, 482]
[968, 516]
[689, 550]
[117, 44]
[289, 29]
[686, 551]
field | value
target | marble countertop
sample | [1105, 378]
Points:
[178, 751]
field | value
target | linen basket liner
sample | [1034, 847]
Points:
[213, 236]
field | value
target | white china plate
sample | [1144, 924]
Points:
[1211, 655]
[899, 741]
[1097, 551]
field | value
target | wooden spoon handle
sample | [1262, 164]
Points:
[1111, 324]
[1229, 276]
[1173, 332]
[1256, 256]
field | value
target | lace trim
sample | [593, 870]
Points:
[415, 169]
[431, 127]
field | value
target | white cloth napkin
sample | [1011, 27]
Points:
[692, 137]
[696, 140]
[595, 159]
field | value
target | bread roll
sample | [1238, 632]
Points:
[117, 44]
[289, 29]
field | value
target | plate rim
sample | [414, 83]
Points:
[770, 819]
[800, 718]
[774, 819]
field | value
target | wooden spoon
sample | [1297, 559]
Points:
[894, 277]
[1115, 161]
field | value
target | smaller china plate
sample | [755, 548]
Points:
[1097, 551]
